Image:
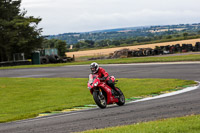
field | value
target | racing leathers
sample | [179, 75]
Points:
[104, 77]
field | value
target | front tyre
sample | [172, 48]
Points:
[121, 97]
[100, 99]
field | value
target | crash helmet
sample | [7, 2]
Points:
[94, 67]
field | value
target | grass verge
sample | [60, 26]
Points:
[192, 57]
[188, 124]
[23, 98]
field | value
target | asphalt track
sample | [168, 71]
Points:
[173, 106]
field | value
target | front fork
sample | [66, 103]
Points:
[99, 89]
[100, 92]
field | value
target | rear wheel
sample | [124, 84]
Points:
[121, 97]
[100, 98]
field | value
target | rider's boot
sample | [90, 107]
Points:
[115, 91]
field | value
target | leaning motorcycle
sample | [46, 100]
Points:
[104, 94]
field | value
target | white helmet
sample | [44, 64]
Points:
[94, 67]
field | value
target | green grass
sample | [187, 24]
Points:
[23, 98]
[195, 57]
[189, 124]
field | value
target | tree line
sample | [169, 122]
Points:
[126, 33]
[86, 44]
[55, 43]
[18, 33]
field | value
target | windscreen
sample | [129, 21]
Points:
[91, 78]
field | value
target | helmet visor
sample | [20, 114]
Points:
[93, 69]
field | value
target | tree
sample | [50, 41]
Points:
[168, 37]
[90, 43]
[185, 35]
[49, 43]
[78, 46]
[18, 34]
[116, 43]
[62, 47]
[82, 44]
[55, 43]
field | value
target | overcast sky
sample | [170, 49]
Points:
[62, 16]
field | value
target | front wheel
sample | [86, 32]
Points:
[121, 97]
[100, 98]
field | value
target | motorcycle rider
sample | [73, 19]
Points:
[102, 75]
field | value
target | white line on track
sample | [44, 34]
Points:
[169, 94]
[46, 117]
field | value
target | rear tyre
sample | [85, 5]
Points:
[121, 97]
[100, 99]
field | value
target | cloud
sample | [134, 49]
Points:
[63, 16]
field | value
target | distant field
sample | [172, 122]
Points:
[111, 50]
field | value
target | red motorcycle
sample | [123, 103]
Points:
[104, 94]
